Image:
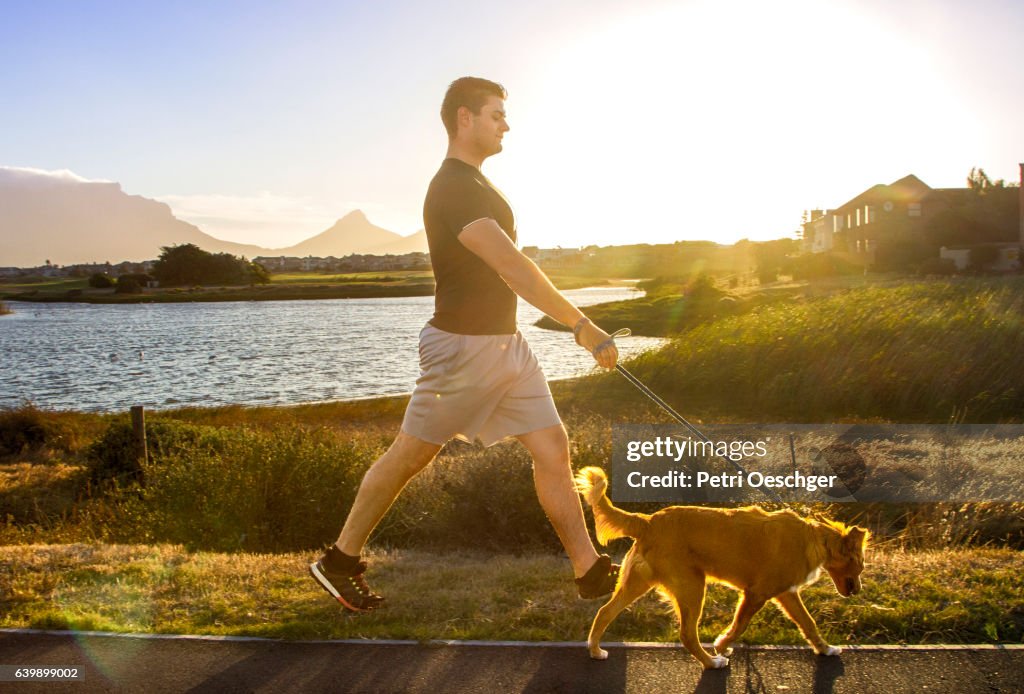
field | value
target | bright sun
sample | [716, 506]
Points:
[714, 121]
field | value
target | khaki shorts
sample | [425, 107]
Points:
[477, 386]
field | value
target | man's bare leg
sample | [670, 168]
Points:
[552, 476]
[380, 487]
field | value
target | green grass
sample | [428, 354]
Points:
[908, 597]
[283, 287]
[344, 277]
[913, 352]
[61, 284]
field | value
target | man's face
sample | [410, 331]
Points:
[485, 129]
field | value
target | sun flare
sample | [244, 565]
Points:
[720, 122]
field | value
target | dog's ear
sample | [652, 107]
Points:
[856, 537]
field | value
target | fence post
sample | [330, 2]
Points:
[139, 427]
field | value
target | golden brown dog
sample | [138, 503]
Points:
[766, 556]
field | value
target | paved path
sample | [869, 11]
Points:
[153, 665]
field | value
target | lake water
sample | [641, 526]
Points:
[96, 357]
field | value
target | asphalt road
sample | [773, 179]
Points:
[113, 664]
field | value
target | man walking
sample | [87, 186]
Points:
[478, 377]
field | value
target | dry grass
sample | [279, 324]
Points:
[967, 596]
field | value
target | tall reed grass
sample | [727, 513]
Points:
[917, 352]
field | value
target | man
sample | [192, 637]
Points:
[479, 378]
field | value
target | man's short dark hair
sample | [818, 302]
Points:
[471, 92]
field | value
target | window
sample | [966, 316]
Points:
[914, 209]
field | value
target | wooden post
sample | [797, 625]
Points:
[139, 427]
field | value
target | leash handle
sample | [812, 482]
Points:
[621, 332]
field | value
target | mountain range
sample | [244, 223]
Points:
[67, 220]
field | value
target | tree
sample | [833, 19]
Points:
[987, 213]
[260, 274]
[127, 285]
[188, 264]
[772, 258]
[101, 280]
[979, 181]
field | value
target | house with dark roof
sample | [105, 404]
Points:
[898, 213]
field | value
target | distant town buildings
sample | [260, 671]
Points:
[80, 270]
[350, 263]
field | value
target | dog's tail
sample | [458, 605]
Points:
[609, 521]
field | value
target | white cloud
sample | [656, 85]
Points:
[23, 175]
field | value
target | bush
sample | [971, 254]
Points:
[821, 265]
[128, 285]
[23, 430]
[901, 255]
[983, 257]
[30, 431]
[288, 489]
[113, 456]
[937, 266]
[101, 280]
[477, 498]
[241, 489]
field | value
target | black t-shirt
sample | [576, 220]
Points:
[470, 298]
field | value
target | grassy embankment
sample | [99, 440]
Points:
[959, 595]
[282, 287]
[252, 481]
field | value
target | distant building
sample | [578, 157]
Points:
[351, 263]
[279, 263]
[375, 263]
[818, 236]
[897, 212]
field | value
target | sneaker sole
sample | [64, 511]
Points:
[326, 585]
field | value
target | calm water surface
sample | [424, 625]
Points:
[97, 357]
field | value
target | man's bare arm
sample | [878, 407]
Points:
[486, 239]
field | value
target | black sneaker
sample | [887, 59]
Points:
[599, 580]
[350, 589]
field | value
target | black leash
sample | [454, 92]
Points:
[626, 332]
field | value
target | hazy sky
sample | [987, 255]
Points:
[645, 121]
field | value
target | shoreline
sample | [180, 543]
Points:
[220, 294]
[375, 288]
